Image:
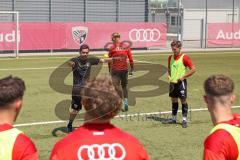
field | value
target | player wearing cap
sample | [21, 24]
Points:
[119, 69]
[14, 144]
[97, 138]
[81, 67]
[178, 74]
[223, 143]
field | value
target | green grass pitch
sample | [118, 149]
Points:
[162, 141]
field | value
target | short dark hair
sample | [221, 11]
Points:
[178, 44]
[218, 85]
[11, 89]
[84, 46]
[103, 98]
[116, 34]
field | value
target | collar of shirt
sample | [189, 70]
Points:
[5, 126]
[97, 126]
[177, 56]
[235, 121]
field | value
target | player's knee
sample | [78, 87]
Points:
[184, 101]
[74, 111]
[174, 100]
[124, 85]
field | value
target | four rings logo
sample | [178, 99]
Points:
[144, 35]
[105, 151]
[79, 34]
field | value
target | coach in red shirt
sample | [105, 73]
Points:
[97, 138]
[119, 67]
[224, 140]
[14, 145]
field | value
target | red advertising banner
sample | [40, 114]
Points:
[56, 35]
[223, 35]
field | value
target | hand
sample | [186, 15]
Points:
[180, 79]
[131, 72]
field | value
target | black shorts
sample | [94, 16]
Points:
[121, 76]
[76, 99]
[178, 90]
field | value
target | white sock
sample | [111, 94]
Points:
[184, 118]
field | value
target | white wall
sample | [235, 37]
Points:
[192, 21]
[214, 15]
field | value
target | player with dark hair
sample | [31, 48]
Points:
[81, 67]
[97, 138]
[178, 74]
[224, 141]
[119, 69]
[14, 144]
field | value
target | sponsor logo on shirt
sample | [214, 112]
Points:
[104, 151]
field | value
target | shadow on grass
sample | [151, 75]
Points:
[161, 119]
[57, 132]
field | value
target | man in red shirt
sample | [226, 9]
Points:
[119, 68]
[178, 74]
[97, 138]
[224, 140]
[14, 145]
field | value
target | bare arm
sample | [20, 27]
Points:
[130, 57]
[188, 74]
[108, 60]
[71, 64]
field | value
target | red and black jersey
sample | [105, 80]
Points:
[120, 51]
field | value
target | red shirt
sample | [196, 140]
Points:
[23, 148]
[220, 145]
[98, 141]
[186, 60]
[120, 51]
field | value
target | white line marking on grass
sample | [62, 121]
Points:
[145, 62]
[38, 123]
[21, 69]
[44, 68]
[147, 53]
[35, 58]
[119, 116]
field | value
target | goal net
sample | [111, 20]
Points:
[9, 34]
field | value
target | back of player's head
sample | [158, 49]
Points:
[177, 44]
[101, 98]
[84, 46]
[218, 85]
[11, 89]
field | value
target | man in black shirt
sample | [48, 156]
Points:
[81, 67]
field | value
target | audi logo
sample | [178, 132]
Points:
[102, 152]
[144, 35]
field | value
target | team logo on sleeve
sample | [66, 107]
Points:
[104, 151]
[79, 34]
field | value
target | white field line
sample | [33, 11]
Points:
[22, 69]
[119, 116]
[46, 68]
[148, 53]
[145, 62]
